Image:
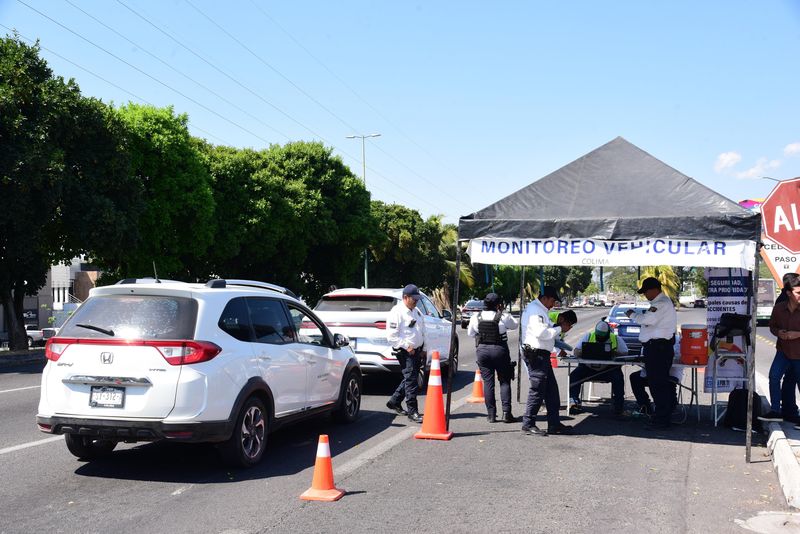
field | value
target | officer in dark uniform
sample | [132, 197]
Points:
[489, 329]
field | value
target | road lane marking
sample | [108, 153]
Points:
[30, 444]
[386, 445]
[19, 389]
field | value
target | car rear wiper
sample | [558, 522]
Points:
[105, 331]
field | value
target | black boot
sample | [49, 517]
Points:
[508, 418]
[492, 417]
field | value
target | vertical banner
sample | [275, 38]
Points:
[727, 293]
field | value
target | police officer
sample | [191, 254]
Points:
[405, 331]
[489, 329]
[538, 340]
[659, 323]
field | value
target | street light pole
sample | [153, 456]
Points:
[364, 178]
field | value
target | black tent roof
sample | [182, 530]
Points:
[616, 192]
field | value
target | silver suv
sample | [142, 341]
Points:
[224, 362]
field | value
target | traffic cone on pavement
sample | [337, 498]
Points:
[477, 389]
[322, 488]
[433, 424]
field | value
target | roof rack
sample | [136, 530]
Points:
[219, 283]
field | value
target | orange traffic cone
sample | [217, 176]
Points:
[553, 360]
[433, 425]
[477, 389]
[322, 488]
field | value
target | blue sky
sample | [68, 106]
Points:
[473, 100]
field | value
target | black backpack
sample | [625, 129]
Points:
[736, 413]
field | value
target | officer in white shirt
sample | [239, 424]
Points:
[405, 331]
[538, 337]
[659, 323]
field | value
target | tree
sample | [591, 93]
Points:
[670, 283]
[621, 279]
[176, 223]
[63, 177]
[407, 248]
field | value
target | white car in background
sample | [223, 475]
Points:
[360, 314]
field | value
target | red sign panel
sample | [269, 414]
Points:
[780, 215]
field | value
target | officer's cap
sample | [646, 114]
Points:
[491, 299]
[411, 291]
[649, 283]
[550, 291]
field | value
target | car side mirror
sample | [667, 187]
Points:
[340, 341]
[447, 314]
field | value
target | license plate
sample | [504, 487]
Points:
[633, 329]
[107, 397]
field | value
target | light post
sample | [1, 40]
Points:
[364, 178]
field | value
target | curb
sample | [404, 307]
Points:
[784, 461]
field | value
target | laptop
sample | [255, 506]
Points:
[594, 350]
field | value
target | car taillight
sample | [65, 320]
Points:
[174, 352]
[55, 347]
[185, 352]
[613, 325]
[380, 325]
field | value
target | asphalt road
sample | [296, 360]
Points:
[612, 476]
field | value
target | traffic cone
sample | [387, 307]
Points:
[322, 488]
[477, 389]
[433, 425]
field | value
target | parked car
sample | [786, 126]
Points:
[470, 307]
[225, 362]
[360, 314]
[35, 336]
[626, 328]
[700, 303]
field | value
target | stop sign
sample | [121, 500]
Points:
[780, 214]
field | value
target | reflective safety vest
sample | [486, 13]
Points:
[612, 337]
[554, 319]
[489, 331]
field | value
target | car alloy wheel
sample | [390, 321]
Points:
[350, 400]
[246, 446]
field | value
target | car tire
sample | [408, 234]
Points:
[349, 405]
[245, 447]
[421, 380]
[30, 341]
[88, 447]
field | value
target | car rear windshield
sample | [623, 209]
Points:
[374, 303]
[133, 317]
[474, 304]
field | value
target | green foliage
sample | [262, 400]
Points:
[63, 177]
[176, 223]
[407, 249]
[621, 279]
[670, 283]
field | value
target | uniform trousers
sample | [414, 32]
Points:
[544, 388]
[410, 365]
[658, 356]
[495, 359]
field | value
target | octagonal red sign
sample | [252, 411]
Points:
[780, 215]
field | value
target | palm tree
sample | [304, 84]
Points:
[448, 249]
[670, 281]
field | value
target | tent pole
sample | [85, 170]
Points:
[454, 304]
[519, 345]
[751, 353]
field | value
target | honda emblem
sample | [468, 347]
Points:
[107, 357]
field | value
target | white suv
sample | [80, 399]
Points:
[360, 314]
[225, 362]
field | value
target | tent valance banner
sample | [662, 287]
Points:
[603, 253]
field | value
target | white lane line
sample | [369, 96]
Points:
[182, 489]
[386, 445]
[30, 444]
[19, 389]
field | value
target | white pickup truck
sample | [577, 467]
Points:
[35, 336]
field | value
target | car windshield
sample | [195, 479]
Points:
[375, 303]
[474, 304]
[133, 317]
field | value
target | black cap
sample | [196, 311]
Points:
[550, 291]
[491, 300]
[411, 291]
[649, 283]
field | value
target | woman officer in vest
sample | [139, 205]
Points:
[489, 329]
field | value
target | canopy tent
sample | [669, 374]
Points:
[617, 205]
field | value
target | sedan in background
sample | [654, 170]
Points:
[626, 328]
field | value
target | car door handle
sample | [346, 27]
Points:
[264, 357]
